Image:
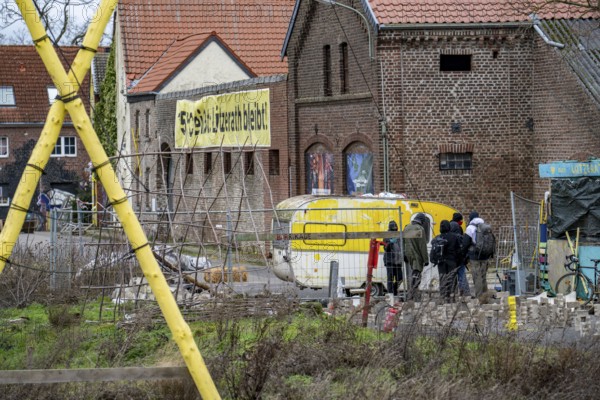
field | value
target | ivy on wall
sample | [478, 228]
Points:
[105, 114]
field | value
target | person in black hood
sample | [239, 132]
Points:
[392, 259]
[448, 266]
[463, 282]
[458, 218]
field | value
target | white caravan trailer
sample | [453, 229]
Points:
[307, 262]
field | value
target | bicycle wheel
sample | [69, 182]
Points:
[575, 282]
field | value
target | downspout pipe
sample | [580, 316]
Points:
[536, 26]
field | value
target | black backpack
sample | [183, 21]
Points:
[438, 245]
[485, 241]
[393, 253]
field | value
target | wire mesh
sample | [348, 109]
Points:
[526, 214]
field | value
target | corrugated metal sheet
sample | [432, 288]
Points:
[582, 49]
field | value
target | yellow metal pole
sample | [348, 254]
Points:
[179, 328]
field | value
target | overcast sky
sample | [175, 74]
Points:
[81, 12]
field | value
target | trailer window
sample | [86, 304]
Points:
[311, 227]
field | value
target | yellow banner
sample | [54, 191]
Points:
[232, 120]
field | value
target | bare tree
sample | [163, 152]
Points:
[65, 21]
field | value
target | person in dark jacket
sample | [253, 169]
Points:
[463, 282]
[392, 259]
[448, 267]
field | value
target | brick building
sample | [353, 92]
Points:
[452, 102]
[26, 94]
[190, 51]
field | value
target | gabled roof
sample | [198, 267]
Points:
[581, 51]
[399, 14]
[253, 29]
[23, 69]
[179, 53]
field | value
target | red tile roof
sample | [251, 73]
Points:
[392, 12]
[253, 29]
[175, 57]
[23, 69]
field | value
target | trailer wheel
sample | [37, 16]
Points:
[376, 289]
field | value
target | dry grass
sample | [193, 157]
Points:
[274, 348]
[299, 353]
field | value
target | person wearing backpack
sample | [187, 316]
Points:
[481, 243]
[445, 252]
[415, 253]
[392, 259]
[463, 282]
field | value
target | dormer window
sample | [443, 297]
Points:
[52, 93]
[7, 96]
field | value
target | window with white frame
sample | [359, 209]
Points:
[4, 199]
[52, 93]
[3, 146]
[7, 96]
[456, 161]
[66, 146]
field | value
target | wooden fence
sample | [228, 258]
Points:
[41, 376]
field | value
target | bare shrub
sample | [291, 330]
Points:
[181, 389]
[23, 281]
[60, 316]
[35, 274]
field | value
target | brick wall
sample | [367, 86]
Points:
[340, 120]
[491, 102]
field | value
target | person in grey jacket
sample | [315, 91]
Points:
[415, 253]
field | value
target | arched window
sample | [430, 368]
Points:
[319, 170]
[359, 169]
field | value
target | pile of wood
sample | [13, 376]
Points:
[218, 275]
